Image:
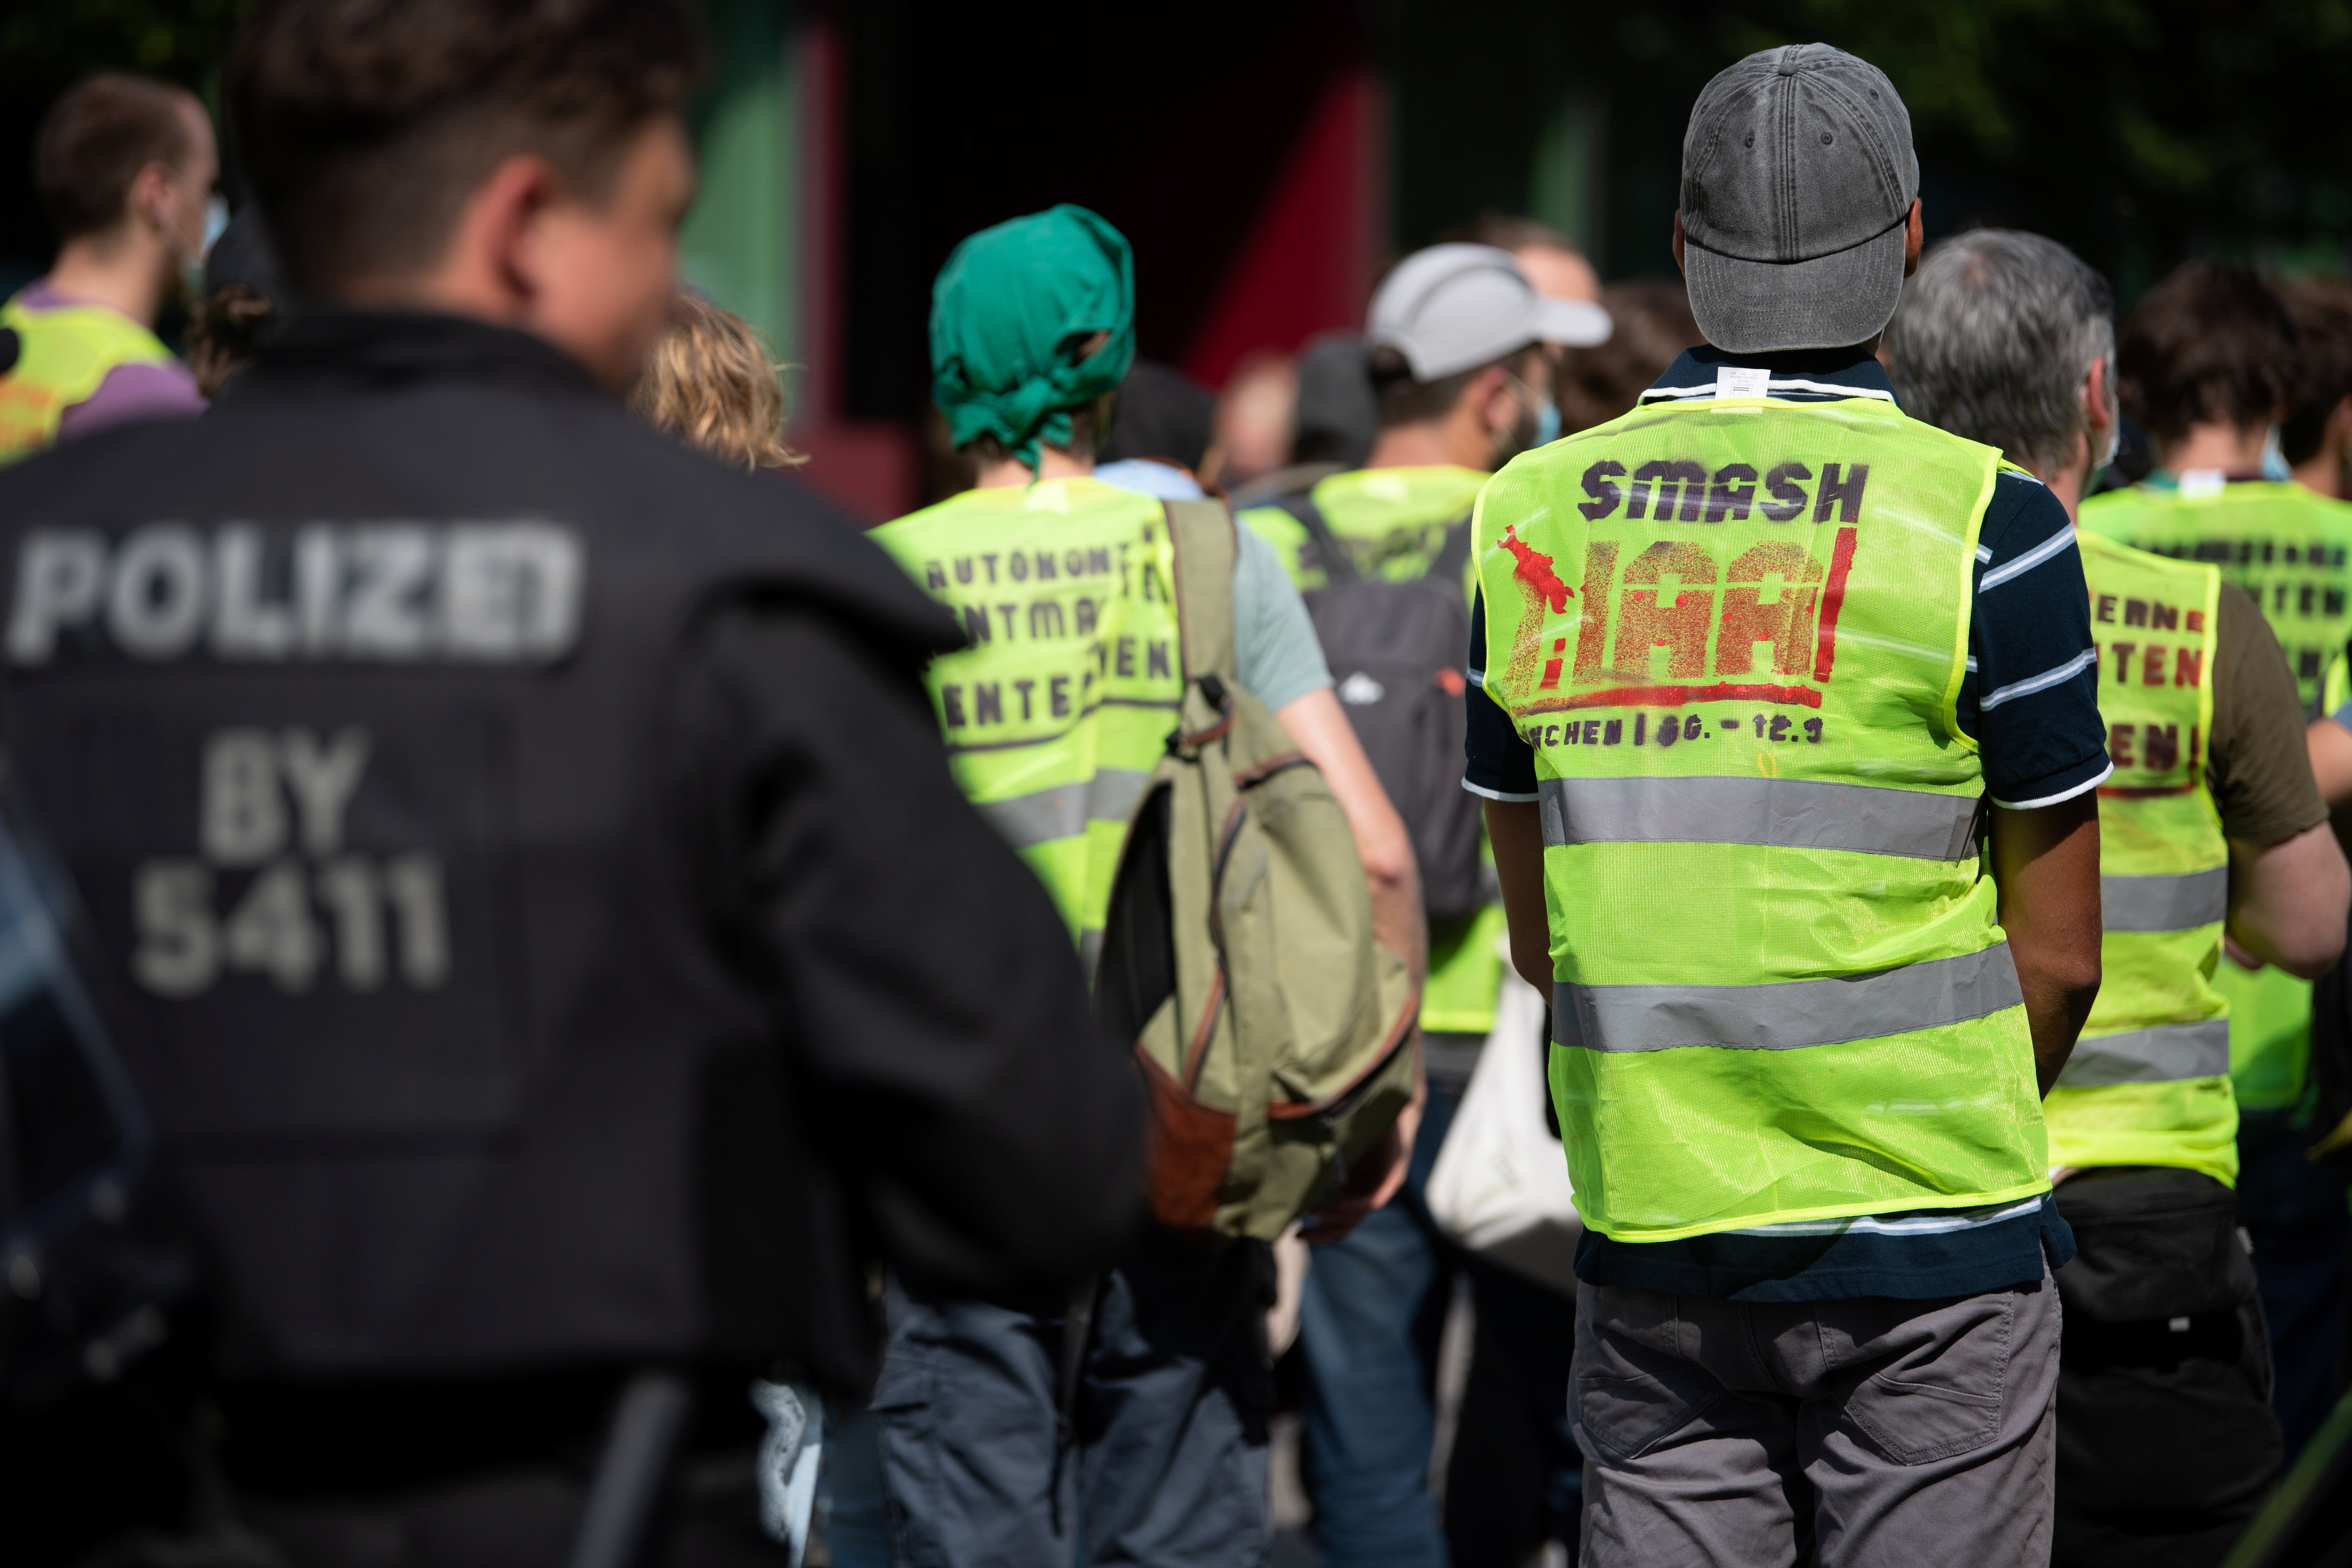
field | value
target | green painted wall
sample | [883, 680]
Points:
[742, 244]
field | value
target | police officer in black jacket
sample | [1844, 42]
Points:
[540, 921]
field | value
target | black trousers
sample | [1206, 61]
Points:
[162, 1471]
[2166, 1442]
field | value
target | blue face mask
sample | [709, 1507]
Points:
[1546, 421]
[2275, 464]
[192, 267]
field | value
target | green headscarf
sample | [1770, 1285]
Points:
[1003, 309]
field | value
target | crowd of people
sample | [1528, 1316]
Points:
[564, 1003]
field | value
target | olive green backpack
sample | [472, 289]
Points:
[1273, 1032]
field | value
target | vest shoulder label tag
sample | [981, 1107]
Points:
[1741, 380]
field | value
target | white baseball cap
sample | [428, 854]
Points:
[1452, 307]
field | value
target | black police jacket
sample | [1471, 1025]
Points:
[538, 914]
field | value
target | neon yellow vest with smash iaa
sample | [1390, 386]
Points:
[64, 353]
[1393, 524]
[1058, 709]
[1734, 632]
[2149, 1083]
[2291, 550]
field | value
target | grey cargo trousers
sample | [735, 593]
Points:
[1859, 1434]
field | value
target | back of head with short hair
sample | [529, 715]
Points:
[2209, 345]
[1400, 400]
[1992, 341]
[1163, 414]
[94, 141]
[2321, 309]
[366, 125]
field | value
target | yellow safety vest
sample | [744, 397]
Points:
[1734, 632]
[2291, 550]
[65, 352]
[2149, 1083]
[1393, 523]
[1058, 709]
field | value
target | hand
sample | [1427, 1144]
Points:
[1372, 1181]
[2239, 955]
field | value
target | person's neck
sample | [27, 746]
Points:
[122, 270]
[2323, 473]
[1437, 443]
[2068, 485]
[2233, 450]
[1053, 463]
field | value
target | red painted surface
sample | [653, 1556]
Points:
[1832, 601]
[1676, 697]
[1308, 263]
[868, 468]
[1535, 569]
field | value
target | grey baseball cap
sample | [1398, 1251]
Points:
[1798, 172]
[1455, 306]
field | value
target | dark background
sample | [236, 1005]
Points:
[2137, 132]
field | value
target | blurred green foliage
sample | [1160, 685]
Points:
[46, 46]
[2138, 131]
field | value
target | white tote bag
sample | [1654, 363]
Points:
[1500, 1185]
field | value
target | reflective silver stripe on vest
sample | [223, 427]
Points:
[1786, 1015]
[1063, 811]
[2165, 903]
[2162, 1055]
[1788, 813]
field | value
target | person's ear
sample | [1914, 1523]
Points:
[503, 228]
[2098, 407]
[1497, 401]
[1679, 265]
[1914, 237]
[150, 195]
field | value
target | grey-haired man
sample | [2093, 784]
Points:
[2006, 337]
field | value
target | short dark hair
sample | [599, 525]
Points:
[94, 141]
[2321, 309]
[1090, 428]
[365, 125]
[2210, 344]
[1401, 400]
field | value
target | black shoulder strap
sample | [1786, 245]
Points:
[1329, 551]
[1454, 554]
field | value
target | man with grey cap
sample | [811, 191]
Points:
[1791, 764]
[1460, 343]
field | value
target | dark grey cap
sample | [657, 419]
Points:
[1796, 174]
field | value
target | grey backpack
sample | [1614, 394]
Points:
[1397, 652]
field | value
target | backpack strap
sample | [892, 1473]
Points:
[1337, 566]
[1206, 551]
[1454, 554]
